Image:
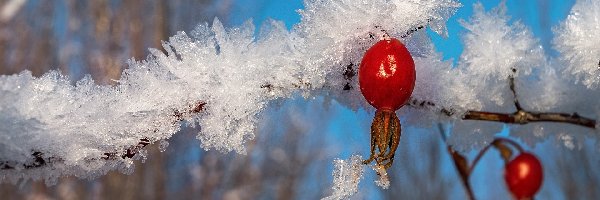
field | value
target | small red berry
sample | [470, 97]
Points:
[387, 75]
[524, 176]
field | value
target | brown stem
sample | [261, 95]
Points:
[513, 143]
[511, 84]
[486, 148]
[477, 158]
[521, 116]
[462, 167]
[524, 117]
[460, 163]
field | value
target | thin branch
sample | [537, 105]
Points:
[496, 143]
[40, 161]
[524, 117]
[411, 31]
[511, 83]
[477, 158]
[463, 170]
[521, 116]
[460, 162]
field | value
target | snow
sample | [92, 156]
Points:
[578, 41]
[493, 47]
[346, 176]
[229, 71]
[233, 75]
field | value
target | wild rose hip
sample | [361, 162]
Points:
[387, 75]
[523, 176]
[387, 79]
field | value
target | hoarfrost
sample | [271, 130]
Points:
[346, 176]
[222, 78]
[578, 41]
[384, 180]
[493, 48]
[215, 77]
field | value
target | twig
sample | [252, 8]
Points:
[524, 117]
[511, 83]
[40, 161]
[463, 170]
[460, 163]
[411, 31]
[496, 143]
[521, 116]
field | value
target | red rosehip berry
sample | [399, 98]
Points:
[387, 75]
[387, 79]
[523, 176]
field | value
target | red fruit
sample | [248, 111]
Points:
[523, 176]
[387, 75]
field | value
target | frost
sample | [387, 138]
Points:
[162, 145]
[493, 48]
[221, 78]
[578, 41]
[384, 180]
[216, 77]
[567, 140]
[346, 176]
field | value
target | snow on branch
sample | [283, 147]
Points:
[222, 78]
[51, 128]
[483, 84]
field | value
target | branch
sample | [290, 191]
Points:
[521, 116]
[524, 117]
[40, 161]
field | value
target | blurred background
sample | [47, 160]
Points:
[297, 140]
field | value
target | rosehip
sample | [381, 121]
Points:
[387, 79]
[523, 176]
[387, 75]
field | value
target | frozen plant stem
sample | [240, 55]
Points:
[40, 161]
[522, 116]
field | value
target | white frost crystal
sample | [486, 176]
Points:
[346, 176]
[493, 48]
[384, 180]
[578, 41]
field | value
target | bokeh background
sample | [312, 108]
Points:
[297, 140]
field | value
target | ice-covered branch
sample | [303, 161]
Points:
[86, 130]
[522, 116]
[52, 128]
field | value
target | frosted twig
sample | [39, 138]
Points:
[40, 161]
[411, 31]
[524, 117]
[521, 116]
